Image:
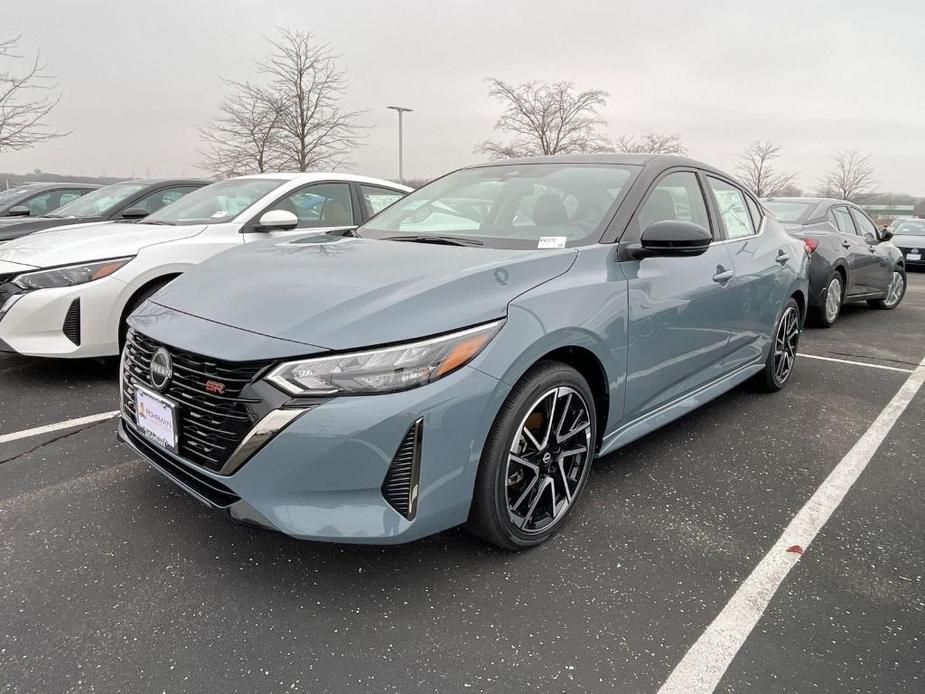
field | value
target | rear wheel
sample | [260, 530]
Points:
[894, 293]
[783, 352]
[536, 460]
[824, 316]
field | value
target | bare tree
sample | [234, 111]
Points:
[313, 131]
[244, 138]
[27, 98]
[652, 143]
[852, 176]
[546, 118]
[756, 170]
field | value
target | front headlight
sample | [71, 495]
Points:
[383, 370]
[70, 275]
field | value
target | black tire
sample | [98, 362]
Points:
[825, 316]
[490, 517]
[770, 378]
[887, 303]
[134, 303]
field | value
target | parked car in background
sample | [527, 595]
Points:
[129, 200]
[467, 353]
[66, 292]
[37, 199]
[851, 259]
[909, 238]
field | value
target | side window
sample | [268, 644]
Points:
[66, 196]
[732, 208]
[161, 198]
[676, 196]
[755, 209]
[377, 199]
[864, 225]
[319, 205]
[843, 220]
[40, 204]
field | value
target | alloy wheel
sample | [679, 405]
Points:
[833, 299]
[549, 459]
[895, 292]
[785, 344]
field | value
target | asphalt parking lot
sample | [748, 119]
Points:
[114, 580]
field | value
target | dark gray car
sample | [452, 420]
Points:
[37, 199]
[851, 259]
[124, 201]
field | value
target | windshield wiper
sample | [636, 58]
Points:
[155, 221]
[444, 240]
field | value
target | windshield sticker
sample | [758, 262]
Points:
[552, 242]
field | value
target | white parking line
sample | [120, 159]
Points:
[48, 428]
[707, 660]
[855, 363]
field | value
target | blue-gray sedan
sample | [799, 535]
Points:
[464, 356]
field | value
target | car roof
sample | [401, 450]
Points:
[833, 201]
[308, 177]
[32, 185]
[648, 161]
[165, 181]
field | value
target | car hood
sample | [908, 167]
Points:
[342, 293]
[85, 242]
[908, 241]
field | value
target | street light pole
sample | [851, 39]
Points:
[401, 110]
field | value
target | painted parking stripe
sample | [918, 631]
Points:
[707, 660]
[58, 426]
[855, 363]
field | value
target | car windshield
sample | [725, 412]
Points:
[219, 202]
[7, 196]
[509, 206]
[911, 229]
[98, 202]
[789, 212]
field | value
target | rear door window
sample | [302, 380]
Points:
[732, 209]
[376, 198]
[842, 220]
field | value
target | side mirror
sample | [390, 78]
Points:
[871, 239]
[135, 213]
[672, 239]
[19, 211]
[886, 234]
[277, 220]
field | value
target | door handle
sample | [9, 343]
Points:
[845, 244]
[782, 257]
[723, 276]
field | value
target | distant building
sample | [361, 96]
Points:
[889, 212]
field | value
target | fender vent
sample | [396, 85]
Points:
[400, 487]
[72, 322]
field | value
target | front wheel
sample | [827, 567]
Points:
[894, 293]
[536, 460]
[783, 352]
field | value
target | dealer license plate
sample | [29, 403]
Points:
[914, 256]
[156, 418]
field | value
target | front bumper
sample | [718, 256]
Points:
[321, 476]
[37, 324]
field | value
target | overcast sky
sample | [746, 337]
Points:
[138, 77]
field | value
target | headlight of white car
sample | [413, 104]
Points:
[384, 370]
[70, 275]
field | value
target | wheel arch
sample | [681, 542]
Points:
[130, 303]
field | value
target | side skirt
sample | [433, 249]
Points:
[671, 411]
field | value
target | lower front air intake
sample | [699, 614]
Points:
[400, 487]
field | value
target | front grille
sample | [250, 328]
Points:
[71, 327]
[400, 487]
[210, 425]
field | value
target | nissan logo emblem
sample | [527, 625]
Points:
[161, 369]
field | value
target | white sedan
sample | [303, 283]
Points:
[67, 292]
